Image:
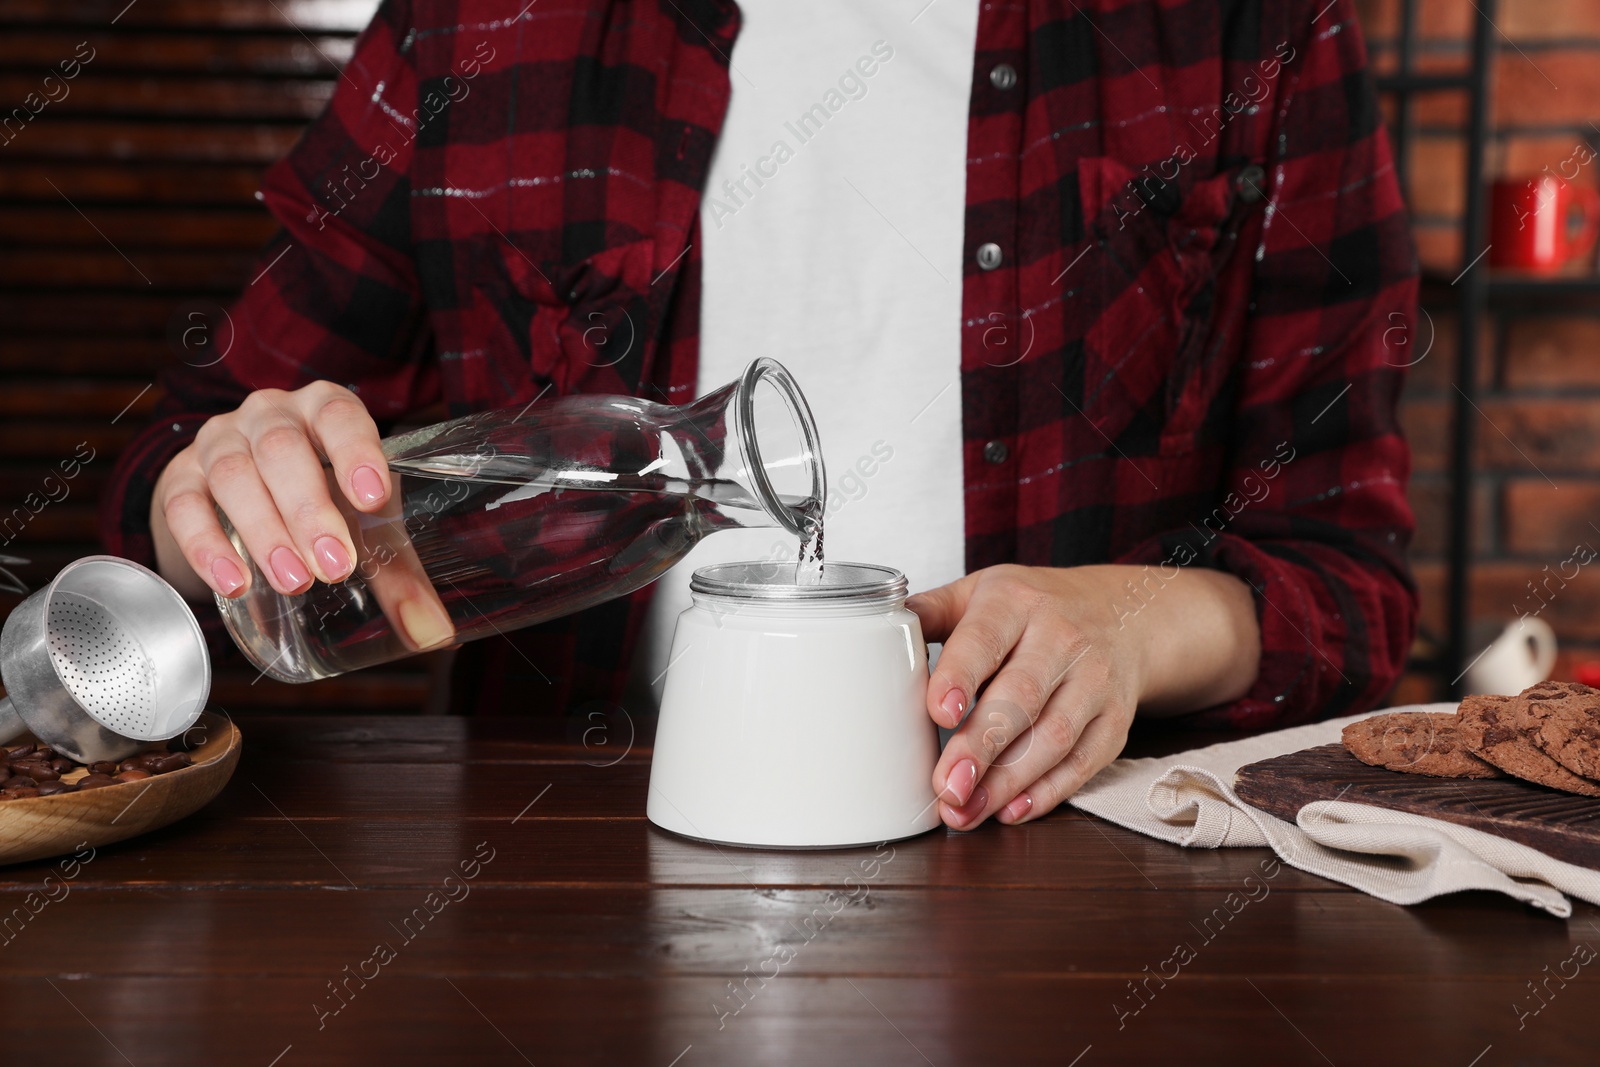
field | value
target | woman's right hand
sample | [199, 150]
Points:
[262, 464]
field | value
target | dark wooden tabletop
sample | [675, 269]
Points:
[528, 914]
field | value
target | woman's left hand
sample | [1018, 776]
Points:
[1066, 653]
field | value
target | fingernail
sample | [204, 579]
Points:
[973, 808]
[959, 782]
[953, 705]
[290, 572]
[1018, 808]
[367, 484]
[426, 624]
[334, 559]
[225, 576]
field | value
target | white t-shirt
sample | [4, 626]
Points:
[832, 226]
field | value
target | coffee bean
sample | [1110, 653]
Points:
[171, 762]
[30, 770]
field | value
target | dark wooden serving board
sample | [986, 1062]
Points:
[1557, 824]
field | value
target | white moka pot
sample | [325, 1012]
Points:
[794, 716]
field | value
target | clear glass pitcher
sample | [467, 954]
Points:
[507, 518]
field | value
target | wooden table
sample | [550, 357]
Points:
[587, 936]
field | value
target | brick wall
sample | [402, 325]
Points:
[1537, 488]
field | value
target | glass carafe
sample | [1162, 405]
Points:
[508, 518]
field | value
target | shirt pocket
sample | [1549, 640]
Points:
[1155, 362]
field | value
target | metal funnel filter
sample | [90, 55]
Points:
[104, 659]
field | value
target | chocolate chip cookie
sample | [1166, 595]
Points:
[1488, 726]
[1417, 742]
[1562, 719]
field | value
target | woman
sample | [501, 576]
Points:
[1110, 283]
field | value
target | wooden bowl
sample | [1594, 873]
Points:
[37, 827]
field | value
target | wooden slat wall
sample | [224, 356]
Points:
[122, 204]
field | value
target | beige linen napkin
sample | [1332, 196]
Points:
[1188, 799]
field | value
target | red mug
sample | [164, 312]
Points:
[1541, 223]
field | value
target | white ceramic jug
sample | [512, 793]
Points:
[1522, 655]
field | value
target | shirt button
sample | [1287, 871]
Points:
[1003, 76]
[989, 255]
[996, 452]
[1249, 183]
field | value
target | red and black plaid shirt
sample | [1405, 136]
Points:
[1180, 357]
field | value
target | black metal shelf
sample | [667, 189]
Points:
[1425, 83]
[1471, 291]
[1548, 289]
[1505, 288]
